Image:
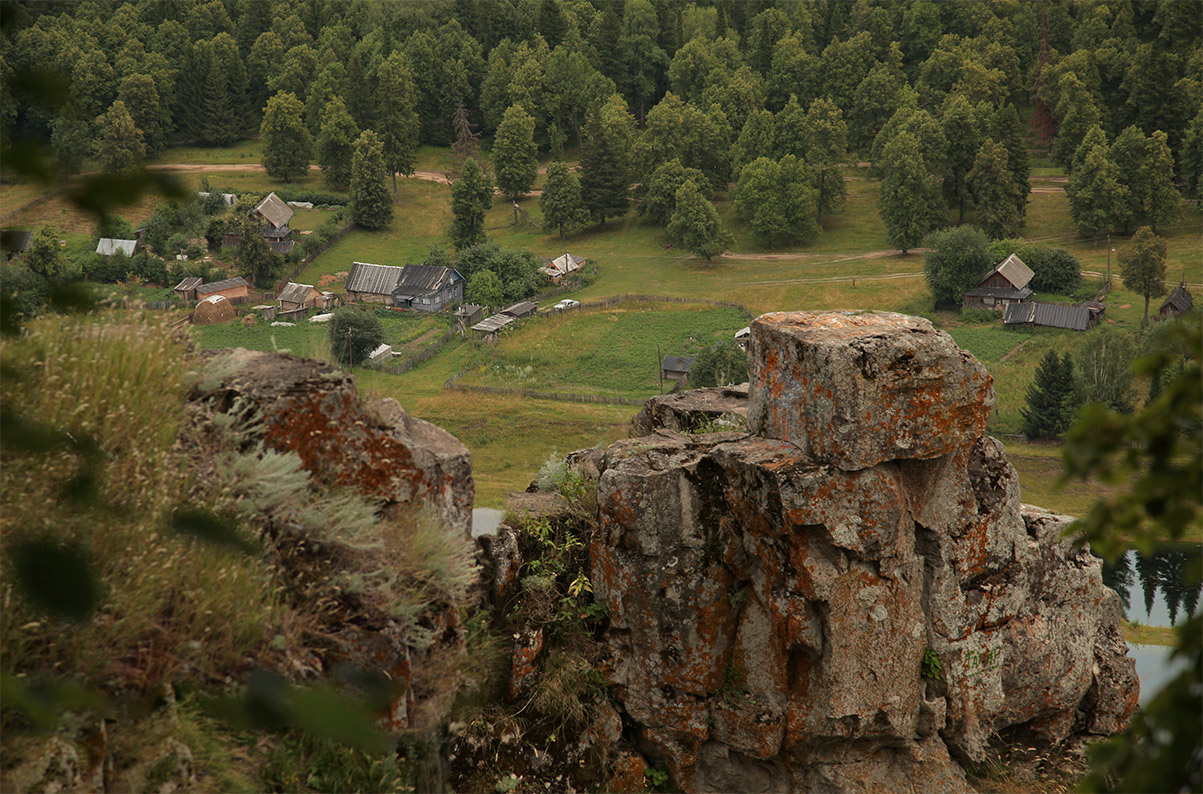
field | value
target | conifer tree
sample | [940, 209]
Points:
[119, 141]
[471, 196]
[514, 153]
[371, 204]
[336, 144]
[825, 141]
[1161, 201]
[1142, 266]
[1007, 131]
[400, 129]
[994, 192]
[604, 180]
[141, 99]
[1052, 401]
[561, 203]
[1098, 199]
[287, 147]
[964, 141]
[695, 225]
[910, 203]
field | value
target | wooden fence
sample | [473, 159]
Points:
[425, 355]
[454, 385]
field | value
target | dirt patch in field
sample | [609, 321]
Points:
[330, 278]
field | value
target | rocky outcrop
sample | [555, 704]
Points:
[850, 597]
[312, 408]
[689, 410]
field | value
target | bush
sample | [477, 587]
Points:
[723, 364]
[354, 334]
[315, 197]
[1056, 270]
[105, 269]
[978, 316]
[150, 269]
[958, 261]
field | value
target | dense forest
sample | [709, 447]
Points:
[770, 96]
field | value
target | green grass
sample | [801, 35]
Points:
[242, 152]
[606, 351]
[989, 343]
[304, 220]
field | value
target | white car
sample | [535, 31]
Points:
[567, 303]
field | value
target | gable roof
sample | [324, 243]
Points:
[1054, 315]
[562, 265]
[519, 309]
[218, 286]
[296, 293]
[189, 283]
[274, 210]
[677, 363]
[425, 279]
[1013, 270]
[109, 246]
[1179, 300]
[374, 279]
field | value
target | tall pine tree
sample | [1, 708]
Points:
[371, 204]
[400, 129]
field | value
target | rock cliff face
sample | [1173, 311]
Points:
[776, 596]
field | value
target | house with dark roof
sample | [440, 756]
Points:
[186, 289]
[236, 287]
[676, 368]
[1004, 285]
[1051, 315]
[1178, 303]
[427, 288]
[273, 215]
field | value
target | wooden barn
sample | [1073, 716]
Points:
[1004, 285]
[1178, 303]
[236, 287]
[298, 296]
[1051, 315]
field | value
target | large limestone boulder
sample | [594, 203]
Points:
[688, 410]
[772, 596]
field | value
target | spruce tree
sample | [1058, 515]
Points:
[471, 196]
[994, 192]
[371, 203]
[1007, 130]
[826, 145]
[1052, 402]
[287, 147]
[141, 98]
[514, 153]
[910, 203]
[1161, 202]
[336, 144]
[695, 225]
[604, 180]
[563, 210]
[964, 141]
[400, 130]
[119, 142]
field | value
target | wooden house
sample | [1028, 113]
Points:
[1051, 315]
[372, 283]
[229, 288]
[1002, 286]
[676, 368]
[1178, 303]
[186, 289]
[743, 337]
[561, 266]
[427, 288]
[298, 296]
[273, 211]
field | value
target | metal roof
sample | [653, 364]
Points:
[374, 279]
[296, 293]
[519, 309]
[274, 210]
[276, 232]
[1179, 300]
[190, 283]
[562, 265]
[1053, 315]
[677, 363]
[1015, 271]
[224, 284]
[109, 246]
[493, 324]
[1000, 293]
[424, 279]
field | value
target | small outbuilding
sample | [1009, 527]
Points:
[381, 355]
[212, 310]
[743, 337]
[109, 246]
[298, 296]
[561, 266]
[1178, 303]
[1050, 315]
[489, 326]
[469, 314]
[186, 289]
[236, 287]
[520, 310]
[266, 311]
[676, 368]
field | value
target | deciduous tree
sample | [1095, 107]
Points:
[563, 209]
[485, 289]
[958, 260]
[354, 334]
[336, 144]
[287, 147]
[1098, 199]
[994, 191]
[778, 200]
[660, 201]
[695, 224]
[604, 179]
[471, 197]
[1142, 266]
[371, 204]
[514, 153]
[910, 203]
[723, 364]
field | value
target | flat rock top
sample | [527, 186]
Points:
[844, 325]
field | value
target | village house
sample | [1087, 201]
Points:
[1178, 303]
[676, 368]
[428, 288]
[274, 215]
[229, 288]
[297, 297]
[561, 266]
[743, 337]
[109, 246]
[1004, 285]
[1051, 315]
[186, 289]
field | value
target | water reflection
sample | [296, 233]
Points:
[1164, 597]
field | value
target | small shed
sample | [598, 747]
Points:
[1178, 303]
[273, 210]
[381, 355]
[1051, 315]
[298, 296]
[676, 368]
[236, 287]
[469, 314]
[279, 239]
[743, 337]
[214, 309]
[327, 300]
[186, 289]
[1096, 309]
[14, 242]
[561, 266]
[520, 310]
[489, 326]
[109, 246]
[266, 311]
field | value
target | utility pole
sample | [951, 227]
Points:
[660, 367]
[1109, 250]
